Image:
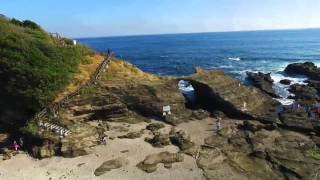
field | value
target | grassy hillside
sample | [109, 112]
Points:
[34, 67]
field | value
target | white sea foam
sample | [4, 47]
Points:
[285, 101]
[187, 89]
[234, 58]
[164, 56]
[225, 66]
[277, 77]
[282, 90]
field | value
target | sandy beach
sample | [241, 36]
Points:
[24, 167]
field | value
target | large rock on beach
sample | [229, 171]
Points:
[149, 164]
[109, 165]
[159, 140]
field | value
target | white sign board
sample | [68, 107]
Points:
[166, 108]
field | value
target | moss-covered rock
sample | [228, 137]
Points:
[149, 164]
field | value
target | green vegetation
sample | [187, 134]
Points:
[30, 129]
[34, 66]
[314, 153]
[88, 91]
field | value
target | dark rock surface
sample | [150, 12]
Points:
[299, 121]
[285, 81]
[304, 93]
[149, 164]
[308, 69]
[181, 139]
[159, 140]
[262, 81]
[153, 127]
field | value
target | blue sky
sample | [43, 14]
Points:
[92, 18]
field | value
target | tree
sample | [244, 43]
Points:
[30, 24]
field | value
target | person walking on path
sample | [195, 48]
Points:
[16, 145]
[21, 142]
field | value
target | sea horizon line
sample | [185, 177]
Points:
[186, 33]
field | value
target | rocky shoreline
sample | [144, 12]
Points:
[259, 139]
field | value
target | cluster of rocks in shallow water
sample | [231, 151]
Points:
[308, 93]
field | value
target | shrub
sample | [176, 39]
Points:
[30, 129]
[33, 68]
[30, 24]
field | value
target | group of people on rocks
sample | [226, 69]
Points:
[313, 111]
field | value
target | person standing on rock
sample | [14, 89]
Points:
[105, 138]
[218, 124]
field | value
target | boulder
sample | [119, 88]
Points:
[308, 69]
[285, 81]
[181, 139]
[262, 81]
[82, 137]
[47, 150]
[149, 164]
[217, 91]
[159, 140]
[155, 126]
[109, 165]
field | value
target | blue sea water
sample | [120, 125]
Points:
[233, 52]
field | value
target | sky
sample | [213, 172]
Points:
[96, 18]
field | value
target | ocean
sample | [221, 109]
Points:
[233, 52]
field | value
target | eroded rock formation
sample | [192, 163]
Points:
[217, 91]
